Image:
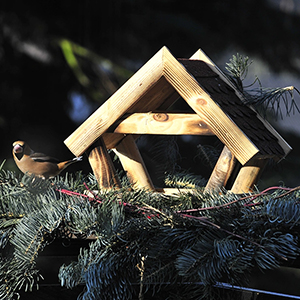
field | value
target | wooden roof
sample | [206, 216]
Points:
[241, 114]
[159, 83]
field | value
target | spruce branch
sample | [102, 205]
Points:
[204, 221]
[250, 198]
[187, 238]
[185, 180]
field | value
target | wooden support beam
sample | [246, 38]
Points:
[102, 166]
[221, 172]
[163, 123]
[248, 176]
[111, 140]
[133, 163]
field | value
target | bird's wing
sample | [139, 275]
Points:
[40, 157]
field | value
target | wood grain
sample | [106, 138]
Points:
[163, 123]
[199, 54]
[159, 96]
[118, 104]
[222, 126]
[111, 140]
[102, 166]
[146, 90]
[133, 163]
[221, 172]
[248, 176]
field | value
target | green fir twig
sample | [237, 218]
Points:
[273, 100]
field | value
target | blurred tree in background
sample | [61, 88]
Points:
[45, 94]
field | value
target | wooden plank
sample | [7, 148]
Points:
[159, 96]
[102, 166]
[163, 123]
[133, 163]
[222, 126]
[111, 140]
[248, 176]
[118, 104]
[221, 172]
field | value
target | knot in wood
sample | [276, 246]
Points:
[161, 117]
[203, 125]
[201, 101]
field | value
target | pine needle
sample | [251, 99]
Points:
[274, 100]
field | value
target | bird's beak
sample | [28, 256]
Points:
[18, 149]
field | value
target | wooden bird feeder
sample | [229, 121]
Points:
[141, 105]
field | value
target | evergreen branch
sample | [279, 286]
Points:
[289, 191]
[159, 212]
[273, 99]
[153, 277]
[208, 154]
[193, 237]
[238, 69]
[2, 165]
[95, 197]
[204, 221]
[185, 180]
[239, 199]
[263, 99]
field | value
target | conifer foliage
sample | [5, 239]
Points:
[143, 242]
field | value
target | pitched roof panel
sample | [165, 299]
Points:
[241, 114]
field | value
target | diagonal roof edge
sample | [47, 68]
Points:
[118, 104]
[200, 54]
[201, 102]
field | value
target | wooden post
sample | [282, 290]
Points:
[221, 172]
[133, 163]
[102, 166]
[248, 176]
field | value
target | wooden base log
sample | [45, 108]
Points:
[133, 163]
[221, 172]
[248, 176]
[102, 166]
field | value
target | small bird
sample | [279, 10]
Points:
[38, 164]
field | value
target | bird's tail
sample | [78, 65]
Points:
[64, 164]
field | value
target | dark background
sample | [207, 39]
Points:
[37, 83]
